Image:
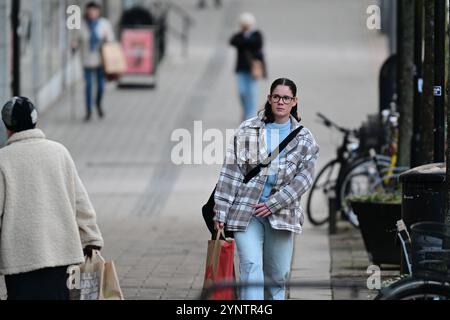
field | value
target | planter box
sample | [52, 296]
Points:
[377, 222]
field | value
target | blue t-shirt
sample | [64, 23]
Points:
[275, 133]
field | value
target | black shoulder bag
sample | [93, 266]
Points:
[208, 208]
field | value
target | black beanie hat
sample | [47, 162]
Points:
[19, 114]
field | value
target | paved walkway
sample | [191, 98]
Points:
[148, 208]
[349, 265]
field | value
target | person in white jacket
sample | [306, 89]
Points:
[94, 31]
[46, 217]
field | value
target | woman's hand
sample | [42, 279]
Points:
[261, 210]
[218, 225]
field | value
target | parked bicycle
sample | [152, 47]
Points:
[377, 174]
[363, 177]
[356, 170]
[329, 179]
[427, 256]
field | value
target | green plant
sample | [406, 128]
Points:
[394, 197]
[388, 282]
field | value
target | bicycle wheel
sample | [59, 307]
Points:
[361, 178]
[322, 188]
[415, 289]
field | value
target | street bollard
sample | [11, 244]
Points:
[332, 209]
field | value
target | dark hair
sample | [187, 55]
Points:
[93, 4]
[268, 114]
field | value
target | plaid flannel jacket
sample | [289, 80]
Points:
[234, 199]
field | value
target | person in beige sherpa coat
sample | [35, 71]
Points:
[46, 217]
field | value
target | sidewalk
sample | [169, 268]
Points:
[349, 263]
[148, 208]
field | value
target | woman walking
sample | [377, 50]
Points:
[265, 212]
[94, 31]
[250, 64]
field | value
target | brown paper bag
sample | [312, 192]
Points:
[257, 69]
[110, 288]
[220, 267]
[98, 280]
[91, 274]
[113, 58]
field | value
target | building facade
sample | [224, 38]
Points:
[47, 65]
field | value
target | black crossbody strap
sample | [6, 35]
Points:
[254, 172]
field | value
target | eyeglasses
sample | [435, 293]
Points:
[286, 99]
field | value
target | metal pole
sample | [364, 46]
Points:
[37, 48]
[5, 59]
[5, 50]
[63, 42]
[393, 27]
[439, 80]
[184, 37]
[15, 11]
[105, 7]
[332, 210]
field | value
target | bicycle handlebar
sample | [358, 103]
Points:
[328, 123]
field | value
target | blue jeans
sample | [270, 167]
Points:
[247, 87]
[264, 253]
[89, 74]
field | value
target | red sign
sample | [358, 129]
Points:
[138, 47]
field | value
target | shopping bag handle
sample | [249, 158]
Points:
[95, 256]
[221, 232]
[216, 252]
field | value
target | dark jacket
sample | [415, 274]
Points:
[248, 48]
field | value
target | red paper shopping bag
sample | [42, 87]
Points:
[220, 267]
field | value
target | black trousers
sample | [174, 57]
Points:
[42, 284]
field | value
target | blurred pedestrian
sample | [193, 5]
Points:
[46, 217]
[265, 213]
[250, 65]
[95, 30]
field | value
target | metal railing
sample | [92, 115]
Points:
[187, 21]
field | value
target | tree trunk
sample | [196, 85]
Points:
[405, 80]
[418, 78]
[447, 149]
[447, 154]
[426, 121]
[439, 79]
